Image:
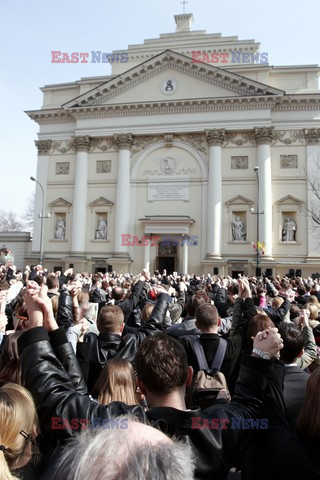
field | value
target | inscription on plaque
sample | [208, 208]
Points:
[169, 191]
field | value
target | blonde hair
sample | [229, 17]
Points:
[277, 302]
[116, 383]
[313, 309]
[17, 414]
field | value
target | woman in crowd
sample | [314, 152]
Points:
[116, 383]
[18, 428]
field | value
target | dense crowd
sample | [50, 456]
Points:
[178, 377]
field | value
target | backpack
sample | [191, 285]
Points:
[207, 382]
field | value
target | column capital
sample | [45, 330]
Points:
[123, 140]
[82, 143]
[312, 135]
[43, 146]
[215, 137]
[264, 135]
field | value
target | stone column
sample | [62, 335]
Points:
[147, 254]
[44, 147]
[79, 214]
[264, 137]
[312, 136]
[185, 254]
[122, 215]
[215, 139]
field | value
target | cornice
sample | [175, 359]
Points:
[274, 103]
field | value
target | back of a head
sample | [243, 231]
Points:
[110, 319]
[147, 311]
[277, 302]
[127, 450]
[161, 364]
[10, 365]
[17, 414]
[116, 383]
[313, 309]
[257, 324]
[194, 303]
[52, 282]
[117, 293]
[293, 343]
[207, 316]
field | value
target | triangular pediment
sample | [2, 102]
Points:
[147, 82]
[239, 200]
[101, 202]
[289, 200]
[60, 202]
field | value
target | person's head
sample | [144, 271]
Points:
[116, 383]
[301, 290]
[130, 452]
[292, 343]
[294, 312]
[110, 319]
[117, 293]
[313, 310]
[193, 304]
[18, 426]
[10, 366]
[277, 302]
[207, 317]
[257, 324]
[53, 282]
[147, 311]
[308, 422]
[313, 299]
[161, 365]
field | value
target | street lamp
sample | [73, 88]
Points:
[258, 213]
[41, 216]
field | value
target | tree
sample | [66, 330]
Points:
[313, 208]
[9, 222]
[28, 215]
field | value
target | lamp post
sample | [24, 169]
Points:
[256, 170]
[41, 216]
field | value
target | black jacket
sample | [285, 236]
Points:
[215, 449]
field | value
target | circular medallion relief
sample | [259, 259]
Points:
[169, 86]
[168, 165]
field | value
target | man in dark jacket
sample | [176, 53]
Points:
[163, 375]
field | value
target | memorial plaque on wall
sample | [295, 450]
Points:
[163, 189]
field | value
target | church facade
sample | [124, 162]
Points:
[189, 157]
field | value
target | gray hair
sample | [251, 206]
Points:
[115, 454]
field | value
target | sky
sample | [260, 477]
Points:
[29, 31]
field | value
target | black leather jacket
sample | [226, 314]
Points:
[216, 449]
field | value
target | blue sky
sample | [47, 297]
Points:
[29, 31]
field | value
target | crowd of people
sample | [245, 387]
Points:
[179, 377]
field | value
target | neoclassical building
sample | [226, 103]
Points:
[156, 165]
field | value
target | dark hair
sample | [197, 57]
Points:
[110, 319]
[10, 366]
[294, 312]
[308, 422]
[161, 364]
[52, 282]
[292, 343]
[207, 315]
[193, 304]
[256, 324]
[117, 293]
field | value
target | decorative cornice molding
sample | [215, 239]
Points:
[312, 135]
[43, 146]
[124, 140]
[215, 137]
[82, 143]
[264, 135]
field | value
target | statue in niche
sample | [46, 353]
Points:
[60, 229]
[289, 230]
[102, 229]
[238, 230]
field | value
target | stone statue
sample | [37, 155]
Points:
[238, 230]
[60, 229]
[102, 229]
[289, 230]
